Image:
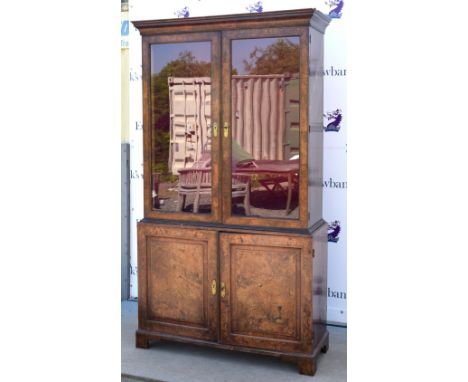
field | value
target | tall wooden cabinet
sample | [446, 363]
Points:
[232, 251]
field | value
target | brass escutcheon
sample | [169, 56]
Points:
[213, 287]
[215, 129]
[226, 129]
[223, 290]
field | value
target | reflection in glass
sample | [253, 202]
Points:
[181, 127]
[265, 126]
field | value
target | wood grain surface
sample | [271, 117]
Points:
[268, 293]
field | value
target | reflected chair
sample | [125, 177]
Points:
[196, 181]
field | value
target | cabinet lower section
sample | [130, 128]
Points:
[241, 290]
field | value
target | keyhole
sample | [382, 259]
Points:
[279, 318]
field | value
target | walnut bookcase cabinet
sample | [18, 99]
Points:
[232, 250]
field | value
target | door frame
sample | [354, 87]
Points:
[227, 37]
[147, 41]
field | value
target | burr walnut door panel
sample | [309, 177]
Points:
[266, 299]
[177, 276]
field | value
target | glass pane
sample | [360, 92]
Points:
[265, 127]
[181, 127]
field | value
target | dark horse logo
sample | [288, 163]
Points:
[335, 117]
[255, 8]
[337, 6]
[184, 12]
[333, 231]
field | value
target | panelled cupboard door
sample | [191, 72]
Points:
[266, 294]
[177, 270]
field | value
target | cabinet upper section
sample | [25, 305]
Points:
[232, 111]
[295, 17]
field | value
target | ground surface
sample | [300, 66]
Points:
[177, 362]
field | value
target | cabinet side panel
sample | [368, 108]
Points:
[320, 260]
[142, 276]
[315, 125]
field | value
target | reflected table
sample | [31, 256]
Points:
[276, 172]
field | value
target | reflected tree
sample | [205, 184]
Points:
[278, 58]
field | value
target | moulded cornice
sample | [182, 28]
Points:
[319, 21]
[148, 26]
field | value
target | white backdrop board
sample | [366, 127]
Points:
[335, 148]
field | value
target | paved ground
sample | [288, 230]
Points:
[177, 362]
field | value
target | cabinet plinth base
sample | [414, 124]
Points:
[306, 362]
[307, 366]
[141, 341]
[324, 348]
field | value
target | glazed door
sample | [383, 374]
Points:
[181, 93]
[177, 281]
[265, 128]
[266, 294]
